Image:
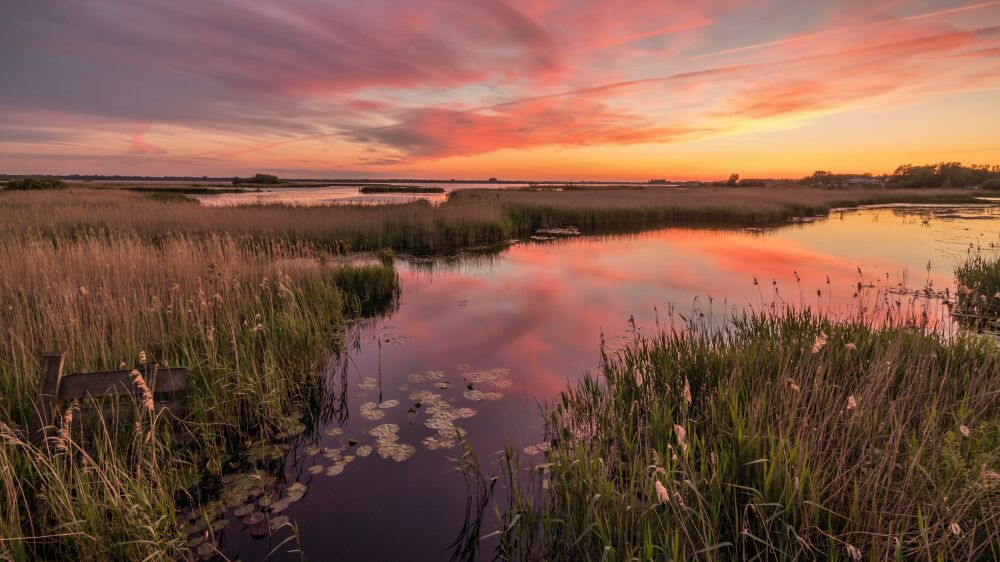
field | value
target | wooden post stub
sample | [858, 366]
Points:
[48, 389]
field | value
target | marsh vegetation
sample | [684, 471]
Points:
[978, 291]
[468, 218]
[790, 417]
[783, 435]
[250, 317]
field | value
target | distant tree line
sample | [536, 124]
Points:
[258, 179]
[736, 181]
[946, 174]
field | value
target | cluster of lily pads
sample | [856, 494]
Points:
[255, 498]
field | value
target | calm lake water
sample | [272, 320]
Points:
[537, 311]
[342, 194]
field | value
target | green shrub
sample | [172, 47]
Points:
[258, 179]
[37, 182]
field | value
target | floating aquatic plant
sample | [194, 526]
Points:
[370, 411]
[478, 395]
[278, 522]
[495, 377]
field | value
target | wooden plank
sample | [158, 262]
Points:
[112, 383]
[49, 386]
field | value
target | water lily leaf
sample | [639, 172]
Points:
[253, 518]
[364, 450]
[278, 522]
[206, 549]
[389, 404]
[260, 529]
[477, 395]
[316, 469]
[220, 524]
[333, 431]
[370, 411]
[368, 383]
[243, 510]
[495, 377]
[280, 505]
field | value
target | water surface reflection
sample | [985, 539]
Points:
[539, 310]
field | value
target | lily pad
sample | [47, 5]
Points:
[278, 522]
[280, 505]
[243, 510]
[370, 411]
[260, 529]
[477, 395]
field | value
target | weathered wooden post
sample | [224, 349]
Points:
[48, 391]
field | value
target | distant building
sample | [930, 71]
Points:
[493, 180]
[658, 182]
[863, 181]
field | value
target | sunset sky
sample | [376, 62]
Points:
[544, 89]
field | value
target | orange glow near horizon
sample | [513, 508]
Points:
[525, 89]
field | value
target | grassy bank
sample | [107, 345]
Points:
[468, 218]
[782, 437]
[251, 319]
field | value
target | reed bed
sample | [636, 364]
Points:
[781, 436]
[411, 226]
[469, 218]
[250, 318]
[744, 206]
